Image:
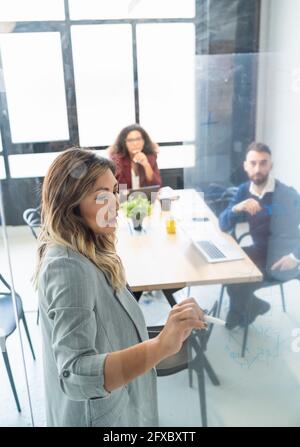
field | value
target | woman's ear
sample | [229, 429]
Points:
[77, 211]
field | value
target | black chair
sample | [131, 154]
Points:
[191, 357]
[217, 197]
[7, 327]
[264, 284]
[32, 218]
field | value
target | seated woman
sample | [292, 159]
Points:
[134, 155]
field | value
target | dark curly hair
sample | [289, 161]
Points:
[120, 147]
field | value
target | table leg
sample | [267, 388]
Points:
[210, 372]
[169, 296]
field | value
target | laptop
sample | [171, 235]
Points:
[150, 192]
[213, 246]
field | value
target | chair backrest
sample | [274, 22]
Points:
[7, 316]
[4, 282]
[32, 218]
[217, 197]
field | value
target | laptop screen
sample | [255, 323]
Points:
[150, 192]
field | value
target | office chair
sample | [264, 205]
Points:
[7, 327]
[191, 357]
[32, 218]
[217, 197]
[264, 284]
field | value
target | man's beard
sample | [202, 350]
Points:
[259, 180]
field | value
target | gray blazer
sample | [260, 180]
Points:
[83, 319]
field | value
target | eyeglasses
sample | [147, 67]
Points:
[132, 140]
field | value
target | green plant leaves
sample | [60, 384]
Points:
[136, 205]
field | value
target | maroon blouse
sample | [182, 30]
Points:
[123, 170]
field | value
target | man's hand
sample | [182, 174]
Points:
[285, 263]
[250, 206]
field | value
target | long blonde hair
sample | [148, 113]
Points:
[70, 178]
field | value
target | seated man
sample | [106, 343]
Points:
[272, 210]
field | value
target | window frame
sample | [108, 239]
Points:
[64, 28]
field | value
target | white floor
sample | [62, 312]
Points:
[262, 389]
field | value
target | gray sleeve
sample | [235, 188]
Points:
[69, 292]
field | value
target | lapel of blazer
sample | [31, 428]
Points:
[131, 307]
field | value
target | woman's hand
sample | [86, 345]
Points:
[141, 158]
[183, 318]
[125, 365]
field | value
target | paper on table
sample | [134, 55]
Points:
[168, 193]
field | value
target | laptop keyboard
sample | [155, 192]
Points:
[211, 250]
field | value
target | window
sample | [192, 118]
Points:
[122, 9]
[35, 165]
[83, 87]
[36, 99]
[30, 165]
[31, 10]
[170, 157]
[166, 80]
[104, 81]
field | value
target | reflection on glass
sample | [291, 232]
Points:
[219, 113]
[122, 9]
[104, 81]
[260, 201]
[166, 80]
[31, 10]
[34, 83]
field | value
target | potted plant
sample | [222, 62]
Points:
[137, 209]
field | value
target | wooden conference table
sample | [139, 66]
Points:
[155, 260]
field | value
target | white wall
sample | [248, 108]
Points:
[278, 101]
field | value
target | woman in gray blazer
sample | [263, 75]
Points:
[98, 360]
